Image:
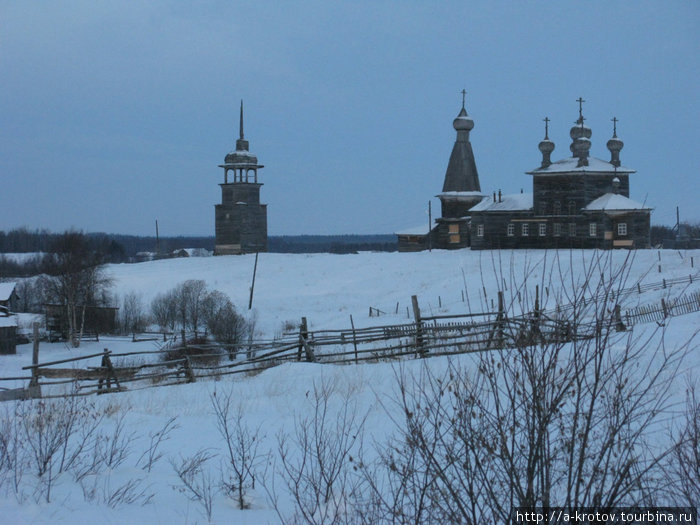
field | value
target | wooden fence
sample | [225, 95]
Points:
[185, 362]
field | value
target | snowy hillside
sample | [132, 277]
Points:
[326, 289]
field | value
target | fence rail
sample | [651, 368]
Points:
[185, 362]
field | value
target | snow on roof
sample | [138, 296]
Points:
[8, 321]
[614, 201]
[6, 290]
[570, 164]
[458, 194]
[512, 202]
[416, 230]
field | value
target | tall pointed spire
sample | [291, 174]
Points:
[241, 143]
[240, 133]
[461, 172]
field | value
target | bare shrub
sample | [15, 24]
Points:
[550, 422]
[683, 467]
[316, 463]
[196, 481]
[153, 453]
[242, 442]
[225, 324]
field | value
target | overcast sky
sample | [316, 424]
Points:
[115, 114]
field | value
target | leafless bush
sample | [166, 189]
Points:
[153, 453]
[683, 467]
[224, 322]
[113, 448]
[196, 480]
[316, 463]
[242, 442]
[13, 457]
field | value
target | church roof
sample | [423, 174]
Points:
[511, 202]
[614, 202]
[570, 165]
[461, 174]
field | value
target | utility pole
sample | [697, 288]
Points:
[430, 226]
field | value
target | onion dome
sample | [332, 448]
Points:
[581, 137]
[615, 145]
[546, 147]
[463, 122]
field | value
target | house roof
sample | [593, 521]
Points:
[614, 202]
[570, 165]
[511, 202]
[416, 230]
[6, 290]
[8, 321]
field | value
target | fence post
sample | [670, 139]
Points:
[187, 366]
[663, 307]
[354, 337]
[303, 342]
[34, 388]
[419, 326]
[617, 317]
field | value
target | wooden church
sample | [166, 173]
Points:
[240, 219]
[579, 201]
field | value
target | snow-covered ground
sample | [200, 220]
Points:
[326, 289]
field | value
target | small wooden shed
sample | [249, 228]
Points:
[8, 334]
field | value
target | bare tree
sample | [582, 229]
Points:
[683, 466]
[131, 315]
[553, 421]
[164, 310]
[76, 279]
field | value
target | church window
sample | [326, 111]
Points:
[593, 229]
[557, 229]
[511, 229]
[480, 230]
[453, 230]
[557, 208]
[543, 229]
[622, 228]
[525, 229]
[572, 229]
[543, 208]
[572, 208]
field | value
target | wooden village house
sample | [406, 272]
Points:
[579, 201]
[8, 322]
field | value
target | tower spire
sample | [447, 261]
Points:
[464, 97]
[241, 143]
[241, 122]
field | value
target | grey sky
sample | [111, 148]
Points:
[114, 114]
